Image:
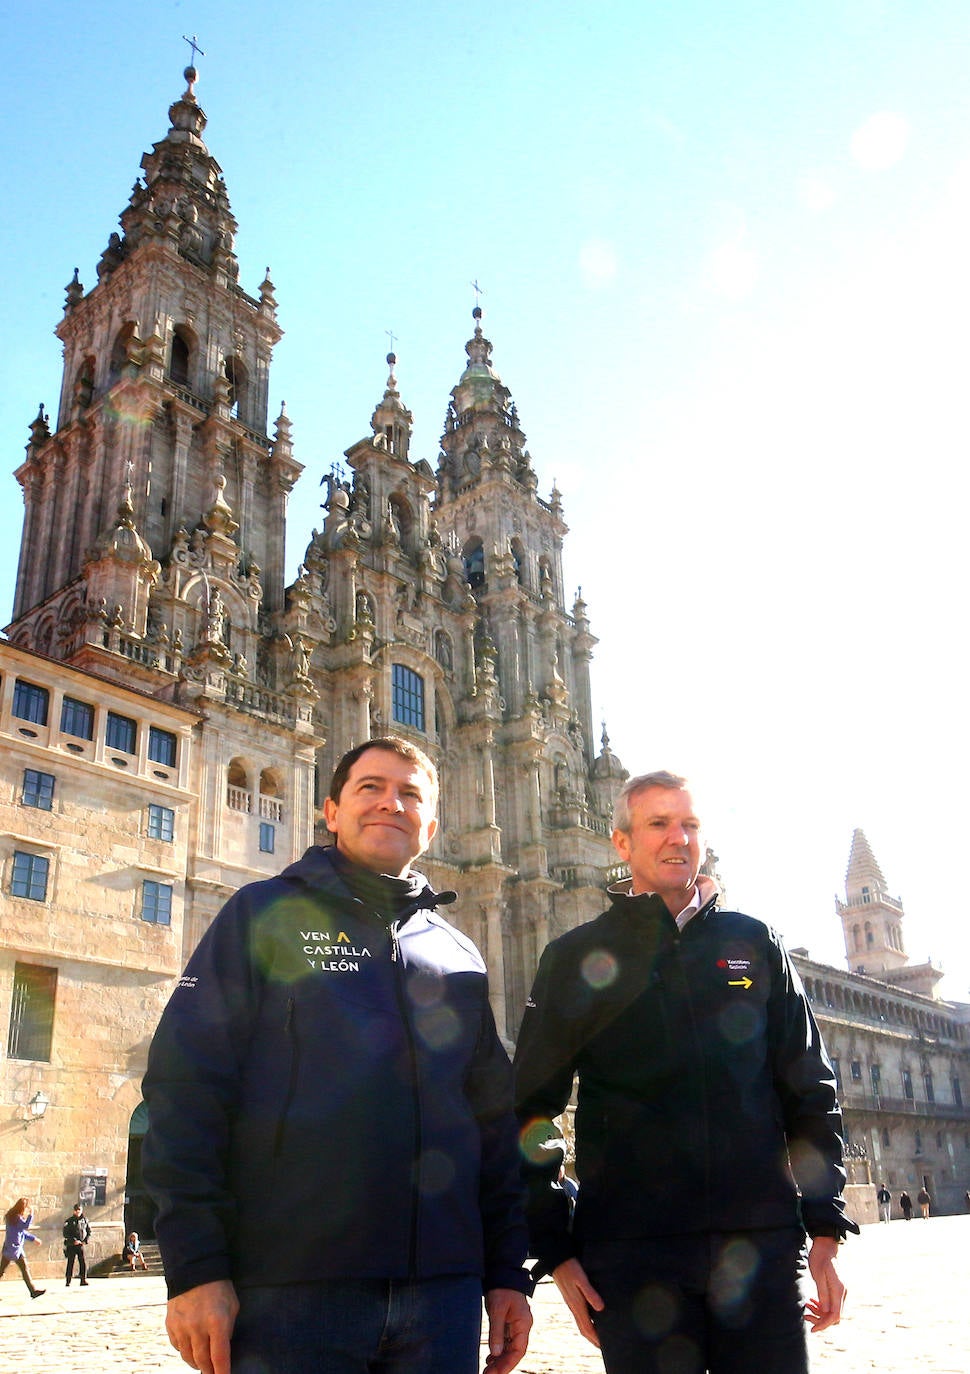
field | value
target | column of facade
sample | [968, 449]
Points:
[26, 568]
[488, 782]
[182, 423]
[495, 961]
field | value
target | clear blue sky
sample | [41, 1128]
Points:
[725, 256]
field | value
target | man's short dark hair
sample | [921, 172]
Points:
[391, 744]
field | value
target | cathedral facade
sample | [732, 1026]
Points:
[172, 711]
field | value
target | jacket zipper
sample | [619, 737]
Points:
[290, 1033]
[398, 965]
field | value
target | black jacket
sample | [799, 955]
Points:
[76, 1231]
[704, 1089]
[328, 1096]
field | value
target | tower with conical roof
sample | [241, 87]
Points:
[872, 925]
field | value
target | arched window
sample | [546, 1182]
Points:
[474, 556]
[238, 388]
[119, 351]
[84, 384]
[407, 696]
[180, 357]
[270, 794]
[518, 559]
[238, 795]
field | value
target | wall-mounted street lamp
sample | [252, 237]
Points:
[37, 1106]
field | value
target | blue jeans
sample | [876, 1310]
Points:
[360, 1326]
[728, 1304]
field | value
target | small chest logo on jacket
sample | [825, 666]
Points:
[737, 966]
[332, 953]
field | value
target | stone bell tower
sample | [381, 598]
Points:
[872, 924]
[161, 427]
[155, 509]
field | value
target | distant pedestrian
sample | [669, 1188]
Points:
[966, 1199]
[17, 1221]
[885, 1200]
[923, 1198]
[77, 1233]
[906, 1204]
[133, 1253]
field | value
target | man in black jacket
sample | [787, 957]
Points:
[708, 1134]
[77, 1233]
[332, 1147]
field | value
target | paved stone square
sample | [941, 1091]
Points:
[907, 1314]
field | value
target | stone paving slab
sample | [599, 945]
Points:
[907, 1314]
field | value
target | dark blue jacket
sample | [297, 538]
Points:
[328, 1096]
[706, 1100]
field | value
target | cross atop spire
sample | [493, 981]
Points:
[193, 43]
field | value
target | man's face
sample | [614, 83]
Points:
[663, 845]
[385, 816]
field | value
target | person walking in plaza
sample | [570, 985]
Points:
[708, 1133]
[77, 1233]
[332, 1147]
[906, 1205]
[885, 1199]
[923, 1198]
[17, 1221]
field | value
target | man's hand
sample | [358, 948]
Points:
[580, 1296]
[826, 1309]
[199, 1324]
[509, 1324]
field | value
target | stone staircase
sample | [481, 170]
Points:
[115, 1267]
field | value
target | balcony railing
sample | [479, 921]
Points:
[902, 1106]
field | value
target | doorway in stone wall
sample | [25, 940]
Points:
[139, 1208]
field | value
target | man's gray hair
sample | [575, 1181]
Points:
[632, 788]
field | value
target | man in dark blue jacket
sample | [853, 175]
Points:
[708, 1134]
[331, 1146]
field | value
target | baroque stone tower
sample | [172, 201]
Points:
[154, 526]
[872, 925]
[433, 606]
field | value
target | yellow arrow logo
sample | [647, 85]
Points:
[741, 983]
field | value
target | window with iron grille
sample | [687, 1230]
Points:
[32, 1012]
[120, 733]
[156, 902]
[30, 702]
[29, 876]
[77, 718]
[407, 696]
[161, 746]
[38, 789]
[161, 822]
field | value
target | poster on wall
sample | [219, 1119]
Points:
[94, 1187]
